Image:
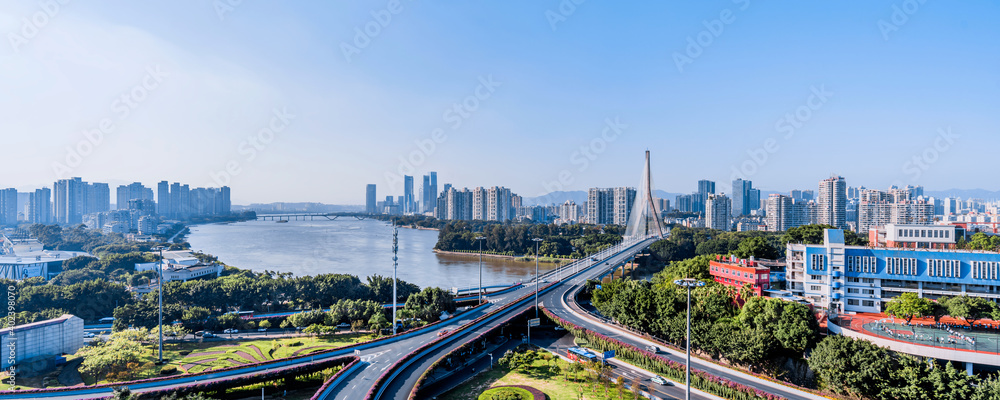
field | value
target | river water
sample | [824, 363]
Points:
[349, 246]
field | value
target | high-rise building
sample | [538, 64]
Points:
[610, 205]
[478, 204]
[98, 197]
[134, 190]
[717, 211]
[779, 213]
[8, 207]
[370, 207]
[569, 212]
[706, 187]
[70, 200]
[40, 206]
[434, 191]
[499, 204]
[895, 206]
[745, 199]
[684, 203]
[163, 198]
[832, 202]
[408, 194]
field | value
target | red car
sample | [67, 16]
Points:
[443, 332]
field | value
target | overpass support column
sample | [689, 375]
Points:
[968, 368]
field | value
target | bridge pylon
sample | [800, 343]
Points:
[645, 220]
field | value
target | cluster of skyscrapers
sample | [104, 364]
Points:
[425, 202]
[74, 201]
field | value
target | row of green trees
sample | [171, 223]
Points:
[758, 336]
[860, 369]
[967, 308]
[558, 240]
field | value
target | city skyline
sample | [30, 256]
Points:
[243, 96]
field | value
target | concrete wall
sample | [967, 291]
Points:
[41, 339]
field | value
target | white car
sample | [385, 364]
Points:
[660, 380]
[88, 334]
[231, 331]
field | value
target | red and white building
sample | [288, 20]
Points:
[736, 272]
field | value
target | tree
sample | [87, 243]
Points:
[909, 306]
[430, 303]
[378, 322]
[848, 366]
[757, 247]
[265, 324]
[304, 319]
[949, 383]
[969, 308]
[381, 288]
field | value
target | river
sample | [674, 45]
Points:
[349, 246]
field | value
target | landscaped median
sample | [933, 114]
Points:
[263, 376]
[437, 363]
[524, 392]
[651, 362]
[374, 390]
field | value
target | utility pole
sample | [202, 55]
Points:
[160, 284]
[480, 239]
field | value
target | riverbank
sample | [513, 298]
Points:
[520, 258]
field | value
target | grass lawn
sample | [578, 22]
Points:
[540, 377]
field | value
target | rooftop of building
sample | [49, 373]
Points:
[35, 325]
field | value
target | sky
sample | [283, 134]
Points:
[312, 100]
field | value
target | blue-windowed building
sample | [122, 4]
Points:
[842, 278]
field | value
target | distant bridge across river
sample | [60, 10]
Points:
[312, 216]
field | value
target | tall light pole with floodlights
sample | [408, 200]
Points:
[159, 283]
[395, 263]
[480, 239]
[689, 284]
[536, 240]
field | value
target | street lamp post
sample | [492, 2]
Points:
[536, 240]
[689, 284]
[160, 284]
[480, 239]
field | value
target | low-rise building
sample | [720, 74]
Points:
[735, 272]
[40, 342]
[915, 236]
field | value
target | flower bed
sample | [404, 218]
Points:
[264, 376]
[652, 362]
[342, 371]
[373, 391]
[437, 363]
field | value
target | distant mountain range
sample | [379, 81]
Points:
[580, 196]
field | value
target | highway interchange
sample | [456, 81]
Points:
[377, 357]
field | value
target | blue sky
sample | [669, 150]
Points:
[899, 79]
